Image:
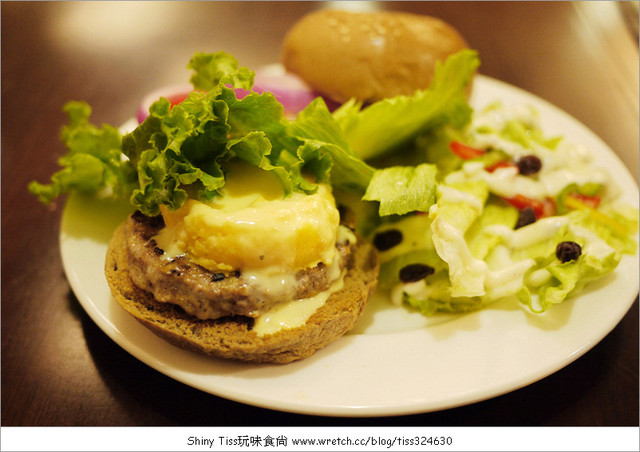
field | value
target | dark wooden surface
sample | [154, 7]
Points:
[59, 368]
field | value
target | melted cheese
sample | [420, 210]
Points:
[294, 313]
[253, 227]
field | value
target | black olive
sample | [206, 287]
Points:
[525, 216]
[158, 251]
[568, 251]
[415, 272]
[529, 164]
[387, 239]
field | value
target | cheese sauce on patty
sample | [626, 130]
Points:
[268, 238]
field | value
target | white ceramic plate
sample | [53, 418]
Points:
[395, 362]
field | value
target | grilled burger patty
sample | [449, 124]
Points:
[206, 294]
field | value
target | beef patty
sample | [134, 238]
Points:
[211, 295]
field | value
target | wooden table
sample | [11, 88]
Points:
[60, 369]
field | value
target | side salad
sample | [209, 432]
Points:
[516, 214]
[465, 207]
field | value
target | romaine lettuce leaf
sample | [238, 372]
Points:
[325, 149]
[566, 279]
[401, 190]
[435, 296]
[480, 241]
[390, 123]
[552, 281]
[456, 210]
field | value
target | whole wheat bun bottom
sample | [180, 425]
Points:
[232, 337]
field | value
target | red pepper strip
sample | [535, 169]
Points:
[589, 201]
[499, 165]
[541, 209]
[465, 152]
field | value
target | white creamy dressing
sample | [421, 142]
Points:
[272, 284]
[506, 275]
[566, 164]
[496, 118]
[538, 277]
[550, 181]
[453, 195]
[418, 289]
[593, 244]
[295, 313]
[277, 284]
[167, 241]
[463, 266]
[471, 276]
[529, 235]
[346, 235]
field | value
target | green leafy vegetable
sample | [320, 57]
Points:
[390, 123]
[212, 70]
[181, 151]
[450, 222]
[324, 142]
[93, 163]
[187, 146]
[401, 190]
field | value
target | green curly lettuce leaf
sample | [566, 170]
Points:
[93, 163]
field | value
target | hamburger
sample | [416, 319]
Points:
[248, 257]
[237, 247]
[255, 276]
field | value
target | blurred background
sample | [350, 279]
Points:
[581, 56]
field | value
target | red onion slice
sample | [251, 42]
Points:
[288, 89]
